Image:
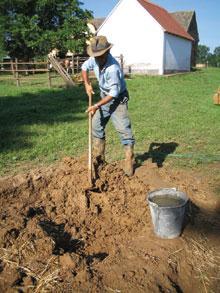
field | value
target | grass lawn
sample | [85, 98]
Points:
[175, 115]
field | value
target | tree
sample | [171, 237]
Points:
[217, 51]
[217, 56]
[202, 53]
[212, 61]
[2, 51]
[34, 27]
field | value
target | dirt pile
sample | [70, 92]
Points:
[56, 236]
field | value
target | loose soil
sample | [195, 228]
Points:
[58, 236]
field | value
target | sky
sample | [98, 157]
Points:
[207, 14]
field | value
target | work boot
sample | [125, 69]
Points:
[129, 160]
[99, 150]
[98, 155]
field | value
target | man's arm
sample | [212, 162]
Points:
[102, 102]
[89, 91]
[114, 84]
[87, 83]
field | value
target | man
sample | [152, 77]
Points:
[113, 102]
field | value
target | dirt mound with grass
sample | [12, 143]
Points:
[59, 236]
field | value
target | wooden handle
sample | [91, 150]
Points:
[90, 144]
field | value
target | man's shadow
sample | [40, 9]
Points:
[157, 152]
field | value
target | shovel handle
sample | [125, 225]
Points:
[90, 143]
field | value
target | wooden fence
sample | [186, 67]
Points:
[77, 61]
[20, 71]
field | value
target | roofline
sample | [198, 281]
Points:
[116, 6]
[110, 13]
[94, 18]
[189, 37]
[177, 11]
[190, 40]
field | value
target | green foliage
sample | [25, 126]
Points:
[204, 56]
[202, 53]
[39, 125]
[217, 51]
[212, 59]
[2, 51]
[34, 27]
[217, 56]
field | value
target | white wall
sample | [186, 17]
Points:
[136, 35]
[177, 55]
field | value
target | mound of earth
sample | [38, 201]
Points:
[59, 236]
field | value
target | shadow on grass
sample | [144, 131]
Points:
[157, 152]
[17, 112]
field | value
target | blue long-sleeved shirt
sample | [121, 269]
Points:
[111, 78]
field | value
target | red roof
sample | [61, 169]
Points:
[169, 24]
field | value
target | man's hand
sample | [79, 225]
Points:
[92, 109]
[89, 89]
[95, 107]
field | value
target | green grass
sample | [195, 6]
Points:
[178, 109]
[40, 125]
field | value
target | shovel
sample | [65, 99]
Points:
[90, 144]
[90, 186]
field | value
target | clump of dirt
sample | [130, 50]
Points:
[57, 235]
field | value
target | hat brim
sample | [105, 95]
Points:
[99, 53]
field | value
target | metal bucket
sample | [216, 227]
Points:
[167, 220]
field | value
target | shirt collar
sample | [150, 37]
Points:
[108, 62]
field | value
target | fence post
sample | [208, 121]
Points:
[33, 72]
[77, 64]
[16, 72]
[122, 62]
[73, 64]
[49, 75]
[12, 68]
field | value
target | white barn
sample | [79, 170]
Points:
[149, 38]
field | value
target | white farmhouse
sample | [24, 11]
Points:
[149, 38]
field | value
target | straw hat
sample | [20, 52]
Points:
[98, 46]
